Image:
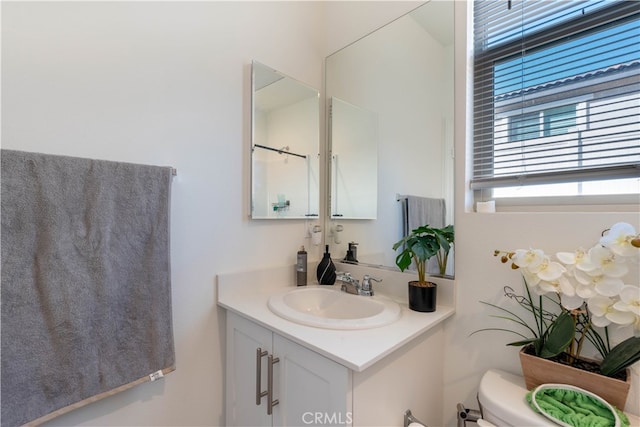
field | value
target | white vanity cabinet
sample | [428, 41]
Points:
[307, 388]
[353, 378]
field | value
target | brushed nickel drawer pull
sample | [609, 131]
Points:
[270, 402]
[259, 393]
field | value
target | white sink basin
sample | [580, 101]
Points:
[332, 309]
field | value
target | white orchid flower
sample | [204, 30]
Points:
[621, 317]
[547, 276]
[606, 262]
[571, 302]
[579, 259]
[603, 312]
[600, 284]
[528, 258]
[564, 288]
[608, 286]
[549, 270]
[618, 239]
[583, 278]
[585, 286]
[629, 300]
[599, 306]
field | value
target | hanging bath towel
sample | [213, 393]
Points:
[425, 211]
[86, 296]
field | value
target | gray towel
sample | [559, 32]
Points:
[425, 211]
[86, 297]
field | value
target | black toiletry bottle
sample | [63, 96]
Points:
[326, 272]
[301, 267]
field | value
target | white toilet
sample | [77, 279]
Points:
[502, 401]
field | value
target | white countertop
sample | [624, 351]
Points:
[247, 294]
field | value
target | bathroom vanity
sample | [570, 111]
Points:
[280, 372]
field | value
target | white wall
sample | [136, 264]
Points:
[480, 276]
[164, 83]
[168, 83]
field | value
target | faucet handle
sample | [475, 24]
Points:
[366, 279]
[366, 284]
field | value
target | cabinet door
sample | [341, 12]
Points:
[243, 340]
[311, 389]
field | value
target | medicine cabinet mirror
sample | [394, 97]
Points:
[285, 134]
[402, 75]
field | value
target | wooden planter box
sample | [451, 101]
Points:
[537, 370]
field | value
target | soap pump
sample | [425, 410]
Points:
[301, 267]
[352, 253]
[326, 272]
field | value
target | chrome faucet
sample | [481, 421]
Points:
[349, 284]
[352, 286]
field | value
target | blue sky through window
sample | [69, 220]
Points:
[595, 51]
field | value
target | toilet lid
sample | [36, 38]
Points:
[503, 394]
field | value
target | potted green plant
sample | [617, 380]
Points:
[418, 247]
[573, 299]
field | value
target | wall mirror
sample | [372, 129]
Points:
[403, 73]
[285, 136]
[353, 138]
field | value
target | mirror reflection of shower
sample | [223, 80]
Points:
[285, 147]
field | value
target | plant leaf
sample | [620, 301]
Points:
[501, 330]
[515, 317]
[523, 342]
[621, 356]
[559, 337]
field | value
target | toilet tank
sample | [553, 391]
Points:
[502, 400]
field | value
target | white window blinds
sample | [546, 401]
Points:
[556, 91]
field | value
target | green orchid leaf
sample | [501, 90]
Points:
[559, 336]
[501, 330]
[515, 318]
[621, 356]
[523, 342]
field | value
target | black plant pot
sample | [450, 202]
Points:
[422, 298]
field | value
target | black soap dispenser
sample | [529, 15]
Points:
[326, 272]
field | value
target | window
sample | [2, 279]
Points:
[549, 122]
[524, 126]
[559, 120]
[556, 97]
